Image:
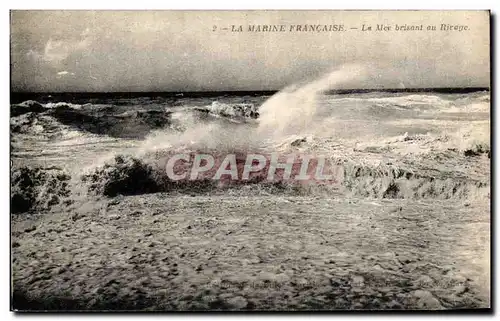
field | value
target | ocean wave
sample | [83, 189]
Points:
[127, 175]
[34, 118]
[399, 146]
[400, 100]
[134, 125]
[475, 107]
[401, 183]
[36, 107]
[409, 100]
[29, 106]
[37, 189]
[235, 110]
[40, 125]
[64, 104]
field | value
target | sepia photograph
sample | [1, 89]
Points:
[250, 160]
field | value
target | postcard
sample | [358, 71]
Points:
[250, 160]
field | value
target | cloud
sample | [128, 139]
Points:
[56, 51]
[178, 51]
[65, 73]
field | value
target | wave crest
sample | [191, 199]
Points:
[37, 189]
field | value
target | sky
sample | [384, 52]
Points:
[113, 51]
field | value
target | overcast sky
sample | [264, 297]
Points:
[179, 51]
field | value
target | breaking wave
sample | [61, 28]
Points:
[126, 175]
[32, 117]
[238, 110]
[411, 146]
[38, 189]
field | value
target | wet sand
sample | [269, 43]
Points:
[166, 252]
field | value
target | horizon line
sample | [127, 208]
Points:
[349, 90]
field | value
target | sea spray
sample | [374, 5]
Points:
[291, 111]
[294, 109]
